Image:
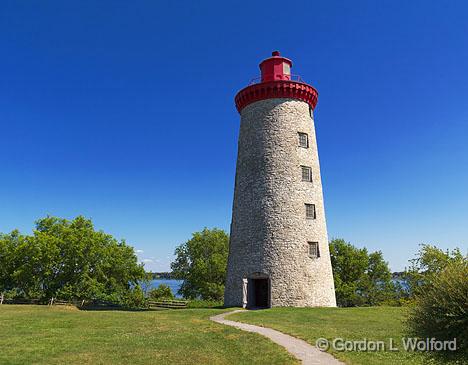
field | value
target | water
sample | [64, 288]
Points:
[404, 283]
[171, 283]
[176, 284]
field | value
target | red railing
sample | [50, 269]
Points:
[257, 80]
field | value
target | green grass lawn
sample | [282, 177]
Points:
[374, 323]
[66, 335]
[58, 335]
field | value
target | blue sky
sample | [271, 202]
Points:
[123, 112]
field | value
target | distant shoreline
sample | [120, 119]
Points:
[161, 275]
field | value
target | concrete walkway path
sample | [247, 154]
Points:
[308, 354]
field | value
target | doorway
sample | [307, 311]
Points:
[258, 295]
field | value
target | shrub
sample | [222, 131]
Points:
[134, 298]
[161, 292]
[441, 310]
[428, 263]
[197, 303]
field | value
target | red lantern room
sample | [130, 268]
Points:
[276, 68]
[276, 82]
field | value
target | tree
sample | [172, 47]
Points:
[380, 289]
[71, 260]
[426, 266]
[8, 259]
[201, 263]
[360, 278]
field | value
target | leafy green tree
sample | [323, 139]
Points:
[380, 289]
[8, 259]
[161, 292]
[37, 261]
[429, 262]
[69, 259]
[201, 263]
[360, 278]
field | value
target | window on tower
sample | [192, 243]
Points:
[303, 140]
[314, 251]
[310, 211]
[306, 173]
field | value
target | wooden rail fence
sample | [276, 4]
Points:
[151, 304]
[4, 300]
[168, 304]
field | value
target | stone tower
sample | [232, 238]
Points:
[278, 251]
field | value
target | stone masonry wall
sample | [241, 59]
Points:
[269, 229]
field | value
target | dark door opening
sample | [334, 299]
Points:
[260, 293]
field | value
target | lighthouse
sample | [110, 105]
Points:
[278, 250]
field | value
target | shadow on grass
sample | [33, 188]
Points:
[453, 358]
[154, 309]
[208, 307]
[112, 308]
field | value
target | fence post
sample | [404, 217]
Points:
[1, 299]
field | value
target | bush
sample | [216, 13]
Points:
[134, 298]
[197, 303]
[441, 310]
[161, 292]
[429, 262]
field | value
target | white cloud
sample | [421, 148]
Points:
[147, 261]
[139, 251]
